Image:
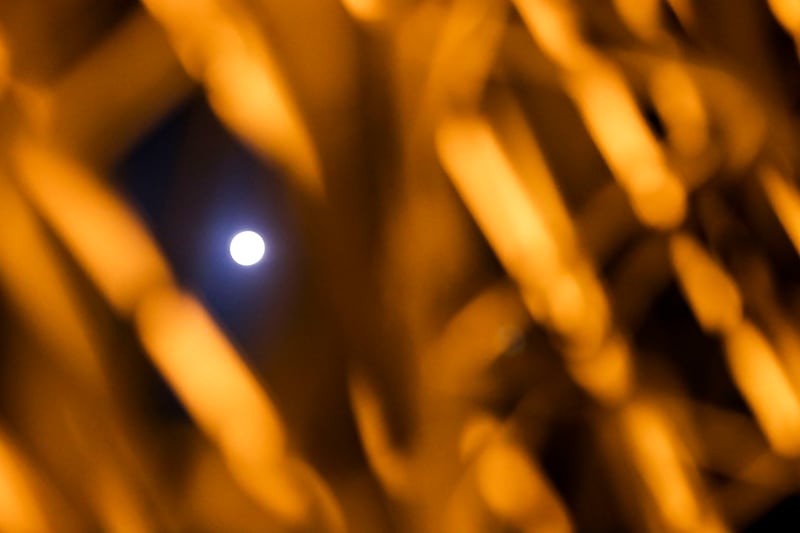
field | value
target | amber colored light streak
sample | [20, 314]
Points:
[231, 407]
[522, 148]
[38, 289]
[477, 431]
[610, 113]
[390, 466]
[220, 47]
[196, 359]
[579, 308]
[106, 238]
[710, 291]
[574, 297]
[786, 339]
[508, 190]
[515, 226]
[756, 369]
[468, 28]
[663, 466]
[212, 381]
[501, 206]
[632, 153]
[758, 373]
[515, 490]
[785, 200]
[19, 506]
[608, 373]
[568, 298]
[112, 499]
[476, 336]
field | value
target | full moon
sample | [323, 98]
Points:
[247, 248]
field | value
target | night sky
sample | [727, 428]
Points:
[196, 186]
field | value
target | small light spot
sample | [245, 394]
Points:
[247, 248]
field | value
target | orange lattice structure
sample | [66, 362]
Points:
[545, 272]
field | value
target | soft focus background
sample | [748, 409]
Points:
[532, 266]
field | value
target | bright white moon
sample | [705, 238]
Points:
[247, 248]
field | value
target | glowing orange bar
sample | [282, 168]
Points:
[662, 463]
[515, 490]
[611, 115]
[210, 378]
[109, 242]
[765, 386]
[232, 408]
[495, 195]
[607, 372]
[39, 291]
[710, 291]
[222, 48]
[20, 509]
[785, 200]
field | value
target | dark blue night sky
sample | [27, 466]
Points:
[196, 186]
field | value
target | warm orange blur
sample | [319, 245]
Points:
[542, 271]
